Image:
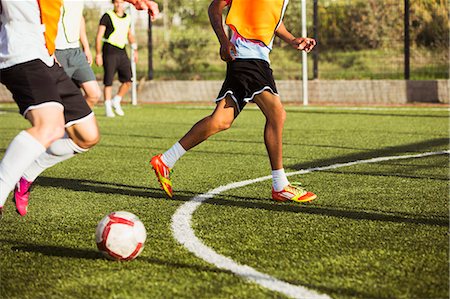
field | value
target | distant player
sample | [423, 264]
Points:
[249, 79]
[76, 62]
[114, 33]
[63, 125]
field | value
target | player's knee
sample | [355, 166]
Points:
[89, 140]
[94, 96]
[223, 125]
[49, 134]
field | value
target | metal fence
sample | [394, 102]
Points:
[356, 40]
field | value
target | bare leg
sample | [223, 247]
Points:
[275, 114]
[92, 92]
[221, 119]
[107, 93]
[123, 89]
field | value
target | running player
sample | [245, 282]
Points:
[249, 78]
[76, 62]
[63, 125]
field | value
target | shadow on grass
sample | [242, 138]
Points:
[91, 254]
[387, 151]
[396, 217]
[241, 202]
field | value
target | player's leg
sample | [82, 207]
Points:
[125, 77]
[275, 114]
[81, 134]
[84, 77]
[221, 119]
[92, 92]
[109, 67]
[28, 145]
[38, 101]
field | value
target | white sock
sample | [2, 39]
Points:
[171, 156]
[108, 104]
[60, 150]
[116, 100]
[21, 152]
[279, 179]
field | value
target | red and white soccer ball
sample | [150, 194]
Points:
[120, 236]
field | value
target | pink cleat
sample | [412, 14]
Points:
[21, 195]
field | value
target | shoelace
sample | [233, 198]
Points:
[295, 187]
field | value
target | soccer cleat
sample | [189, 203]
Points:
[118, 108]
[162, 172]
[21, 196]
[293, 192]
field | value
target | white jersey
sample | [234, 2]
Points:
[27, 31]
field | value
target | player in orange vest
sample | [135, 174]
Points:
[249, 78]
[62, 123]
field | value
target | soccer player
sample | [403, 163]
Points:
[76, 62]
[249, 78]
[62, 124]
[115, 32]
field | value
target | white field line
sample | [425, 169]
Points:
[184, 234]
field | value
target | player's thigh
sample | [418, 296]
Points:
[270, 105]
[226, 111]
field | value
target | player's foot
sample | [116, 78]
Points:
[21, 196]
[108, 109]
[162, 174]
[118, 108]
[293, 192]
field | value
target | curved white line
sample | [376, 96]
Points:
[184, 234]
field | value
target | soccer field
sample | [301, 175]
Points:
[378, 229]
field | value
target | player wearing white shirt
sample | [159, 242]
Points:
[62, 124]
[76, 62]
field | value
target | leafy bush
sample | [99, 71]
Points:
[186, 49]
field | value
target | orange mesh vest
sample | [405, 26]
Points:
[50, 13]
[255, 19]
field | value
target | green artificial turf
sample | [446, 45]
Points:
[376, 230]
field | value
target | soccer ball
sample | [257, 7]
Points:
[120, 236]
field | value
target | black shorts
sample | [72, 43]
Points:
[118, 62]
[245, 79]
[34, 84]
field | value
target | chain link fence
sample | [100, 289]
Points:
[357, 39]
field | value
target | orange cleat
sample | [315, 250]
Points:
[163, 173]
[293, 192]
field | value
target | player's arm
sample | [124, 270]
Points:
[84, 41]
[98, 44]
[227, 49]
[132, 41]
[149, 5]
[300, 43]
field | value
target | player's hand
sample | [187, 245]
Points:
[227, 51]
[149, 5]
[99, 59]
[304, 43]
[88, 54]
